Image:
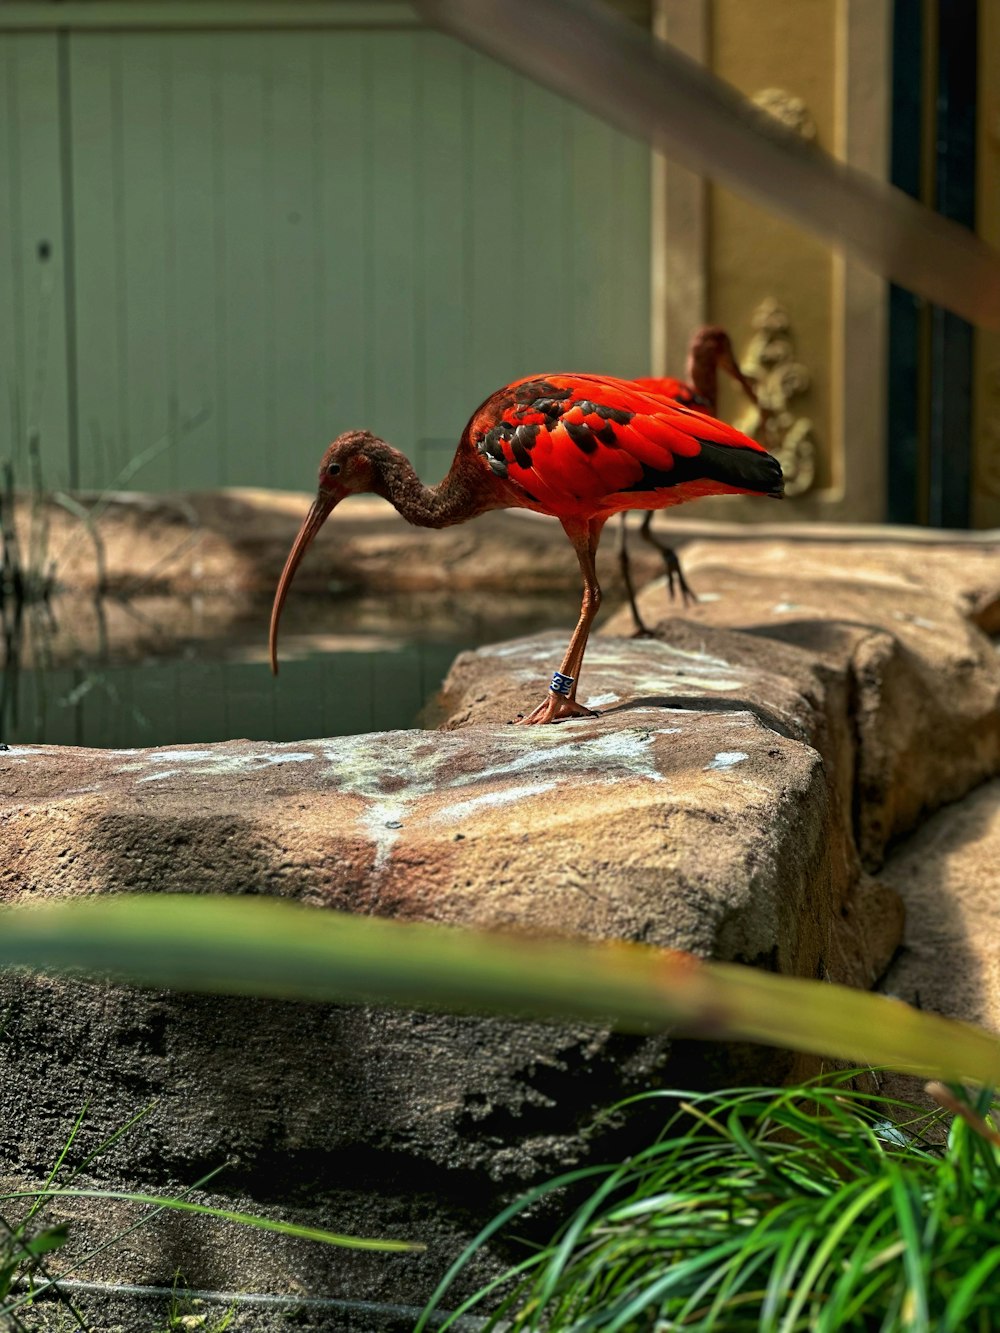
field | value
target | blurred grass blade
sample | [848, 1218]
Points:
[647, 88]
[225, 1214]
[257, 946]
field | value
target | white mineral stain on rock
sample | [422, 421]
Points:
[533, 652]
[382, 822]
[217, 762]
[392, 771]
[666, 668]
[781, 607]
[697, 681]
[505, 796]
[229, 763]
[180, 756]
[389, 770]
[686, 654]
[600, 700]
[384, 762]
[919, 621]
[726, 760]
[612, 756]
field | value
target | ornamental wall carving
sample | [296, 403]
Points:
[789, 109]
[780, 378]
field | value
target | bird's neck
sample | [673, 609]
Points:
[703, 374]
[458, 497]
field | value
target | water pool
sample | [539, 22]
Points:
[165, 672]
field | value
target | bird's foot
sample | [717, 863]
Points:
[642, 630]
[555, 708]
[558, 704]
[676, 582]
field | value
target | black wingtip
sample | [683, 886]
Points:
[777, 491]
[750, 469]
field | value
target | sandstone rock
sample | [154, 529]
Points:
[710, 831]
[964, 573]
[948, 874]
[920, 683]
[579, 829]
[236, 541]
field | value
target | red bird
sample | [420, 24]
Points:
[577, 447]
[710, 350]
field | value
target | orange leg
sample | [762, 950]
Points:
[560, 702]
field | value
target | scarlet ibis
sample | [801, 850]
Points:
[576, 447]
[709, 351]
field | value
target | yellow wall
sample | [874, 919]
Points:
[754, 253]
[824, 67]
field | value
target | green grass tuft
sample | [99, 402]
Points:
[814, 1208]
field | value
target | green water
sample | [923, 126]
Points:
[345, 670]
[167, 703]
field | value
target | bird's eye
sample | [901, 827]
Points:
[332, 469]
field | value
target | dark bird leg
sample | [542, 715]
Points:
[625, 565]
[674, 571]
[560, 702]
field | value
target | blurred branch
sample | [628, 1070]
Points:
[649, 89]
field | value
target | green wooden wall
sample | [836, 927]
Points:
[264, 237]
[34, 367]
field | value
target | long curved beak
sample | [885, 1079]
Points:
[318, 513]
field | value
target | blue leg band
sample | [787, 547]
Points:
[561, 684]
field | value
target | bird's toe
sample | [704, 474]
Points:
[555, 708]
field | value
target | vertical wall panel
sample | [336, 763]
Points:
[602, 246]
[593, 171]
[194, 295]
[99, 231]
[339, 155]
[281, 235]
[245, 98]
[392, 197]
[141, 129]
[444, 250]
[295, 252]
[33, 368]
[494, 183]
[630, 209]
[546, 282]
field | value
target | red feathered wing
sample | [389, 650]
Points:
[588, 446]
[678, 391]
